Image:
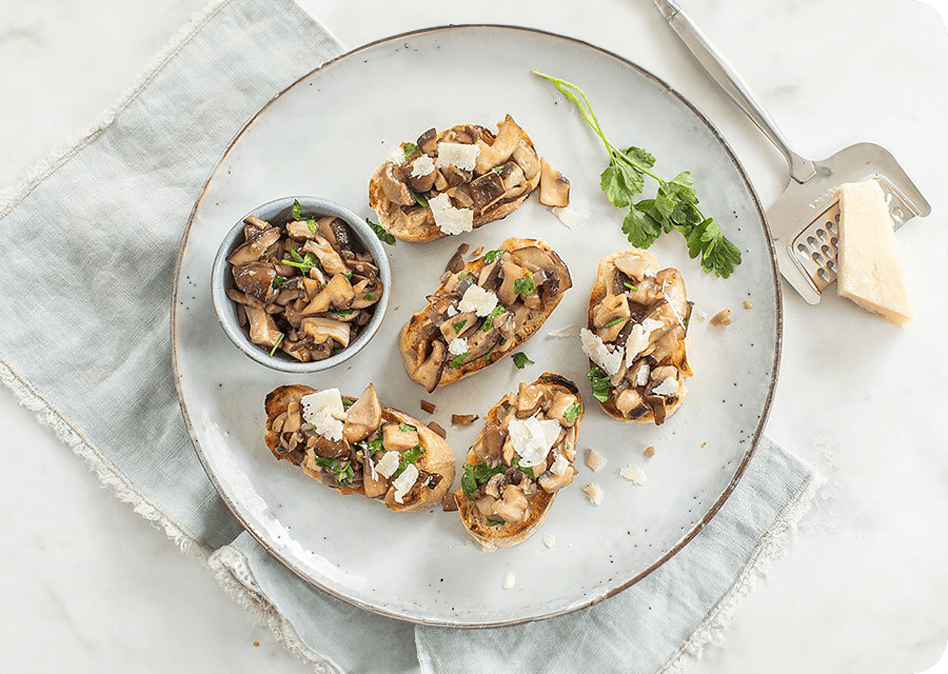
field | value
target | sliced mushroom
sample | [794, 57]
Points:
[554, 188]
[529, 398]
[338, 293]
[299, 231]
[396, 439]
[322, 329]
[500, 150]
[253, 250]
[395, 190]
[495, 485]
[263, 329]
[561, 403]
[610, 317]
[526, 158]
[428, 142]
[512, 272]
[487, 189]
[489, 446]
[514, 508]
[428, 371]
[550, 482]
[363, 417]
[366, 293]
[329, 259]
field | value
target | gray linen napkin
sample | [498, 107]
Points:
[90, 355]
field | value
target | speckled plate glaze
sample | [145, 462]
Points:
[324, 136]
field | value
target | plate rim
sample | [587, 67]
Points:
[699, 525]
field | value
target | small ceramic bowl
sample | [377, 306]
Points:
[280, 210]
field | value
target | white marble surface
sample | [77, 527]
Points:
[87, 585]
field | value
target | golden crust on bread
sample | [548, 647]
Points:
[654, 309]
[500, 505]
[506, 172]
[527, 280]
[342, 465]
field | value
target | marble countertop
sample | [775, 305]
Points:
[88, 586]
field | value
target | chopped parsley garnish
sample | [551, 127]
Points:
[489, 353]
[459, 326]
[419, 199]
[278, 281]
[278, 342]
[343, 312]
[630, 286]
[525, 285]
[456, 362]
[498, 169]
[492, 523]
[572, 412]
[410, 149]
[615, 321]
[492, 255]
[477, 474]
[405, 427]
[369, 298]
[297, 209]
[342, 469]
[520, 360]
[301, 262]
[347, 274]
[407, 457]
[600, 384]
[463, 275]
[380, 232]
[311, 223]
[489, 319]
[674, 207]
[375, 444]
[348, 402]
[526, 470]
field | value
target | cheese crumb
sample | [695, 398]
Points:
[560, 464]
[649, 451]
[593, 346]
[634, 474]
[388, 464]
[457, 346]
[421, 167]
[324, 410]
[449, 219]
[404, 482]
[509, 581]
[723, 317]
[478, 300]
[571, 216]
[593, 492]
[595, 460]
[461, 155]
[748, 305]
[549, 540]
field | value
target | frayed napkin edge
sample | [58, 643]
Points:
[61, 154]
[773, 545]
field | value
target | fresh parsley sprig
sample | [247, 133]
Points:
[675, 206]
[520, 360]
[600, 384]
[380, 232]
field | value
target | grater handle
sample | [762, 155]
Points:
[727, 78]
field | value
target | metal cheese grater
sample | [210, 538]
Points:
[804, 220]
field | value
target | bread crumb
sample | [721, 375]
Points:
[549, 540]
[649, 451]
[463, 419]
[593, 492]
[428, 406]
[723, 317]
[509, 581]
[634, 474]
[703, 445]
[748, 305]
[256, 643]
[437, 428]
[595, 460]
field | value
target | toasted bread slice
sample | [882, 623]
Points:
[354, 463]
[523, 279]
[506, 171]
[647, 386]
[500, 504]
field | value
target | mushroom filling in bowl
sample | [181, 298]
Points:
[306, 286]
[482, 311]
[522, 458]
[636, 339]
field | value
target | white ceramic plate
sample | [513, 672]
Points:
[324, 136]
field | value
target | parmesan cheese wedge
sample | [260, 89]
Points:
[870, 271]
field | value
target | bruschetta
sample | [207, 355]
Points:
[459, 179]
[521, 459]
[483, 311]
[636, 338]
[358, 446]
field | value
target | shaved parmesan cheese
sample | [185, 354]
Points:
[324, 410]
[668, 387]
[560, 465]
[404, 482]
[449, 219]
[571, 216]
[423, 166]
[532, 438]
[638, 339]
[457, 346]
[388, 464]
[610, 361]
[593, 492]
[509, 581]
[595, 460]
[549, 540]
[633, 473]
[461, 155]
[565, 331]
[478, 300]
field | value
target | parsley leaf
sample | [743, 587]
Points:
[457, 361]
[477, 474]
[278, 281]
[297, 209]
[493, 523]
[459, 326]
[615, 321]
[498, 169]
[489, 319]
[600, 384]
[492, 255]
[342, 469]
[419, 199]
[375, 444]
[410, 149]
[303, 263]
[674, 207]
[572, 412]
[369, 298]
[380, 232]
[311, 223]
[525, 285]
[526, 470]
[405, 427]
[520, 360]
[409, 456]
